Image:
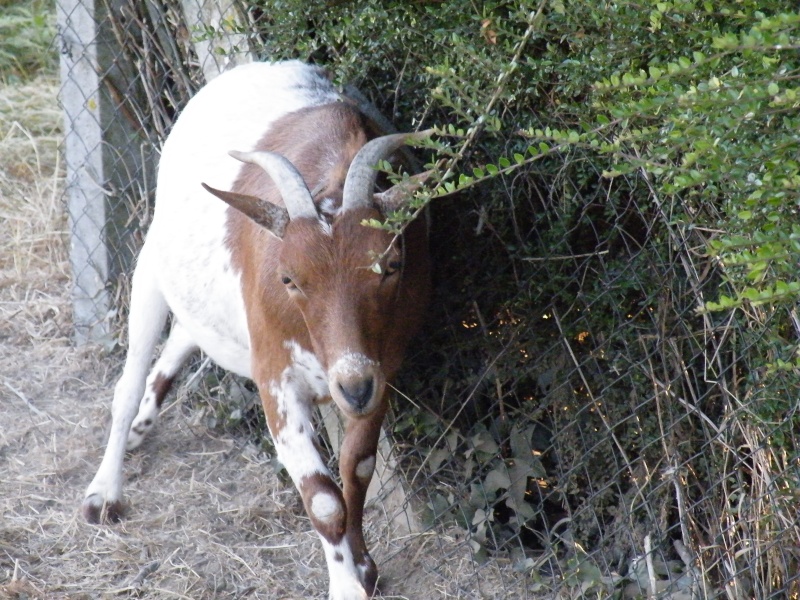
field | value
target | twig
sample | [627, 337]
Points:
[698, 581]
[688, 406]
[27, 402]
[203, 366]
[651, 572]
[592, 397]
[144, 573]
[571, 256]
[473, 132]
[683, 515]
[683, 553]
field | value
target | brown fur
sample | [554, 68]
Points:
[161, 386]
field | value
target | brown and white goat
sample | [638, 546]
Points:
[278, 284]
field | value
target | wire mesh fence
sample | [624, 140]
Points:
[569, 415]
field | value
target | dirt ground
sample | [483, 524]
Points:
[209, 516]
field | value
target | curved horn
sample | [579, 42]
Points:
[360, 181]
[287, 179]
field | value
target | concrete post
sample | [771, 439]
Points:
[109, 162]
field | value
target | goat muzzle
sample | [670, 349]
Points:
[356, 384]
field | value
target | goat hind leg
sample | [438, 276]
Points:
[178, 348]
[148, 314]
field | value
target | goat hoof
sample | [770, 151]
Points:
[354, 594]
[96, 510]
[369, 574]
[135, 439]
[139, 430]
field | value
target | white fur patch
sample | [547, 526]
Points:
[352, 364]
[296, 450]
[366, 467]
[175, 352]
[306, 367]
[325, 506]
[145, 420]
[326, 227]
[301, 382]
[329, 208]
[346, 577]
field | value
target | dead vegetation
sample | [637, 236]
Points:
[210, 515]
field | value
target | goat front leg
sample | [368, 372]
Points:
[356, 466]
[289, 420]
[148, 313]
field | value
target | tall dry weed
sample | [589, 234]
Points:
[34, 267]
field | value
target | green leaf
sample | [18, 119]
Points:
[375, 223]
[496, 479]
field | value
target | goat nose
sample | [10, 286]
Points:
[357, 393]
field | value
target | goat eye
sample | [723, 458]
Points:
[393, 267]
[286, 280]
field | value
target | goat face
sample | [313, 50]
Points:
[344, 278]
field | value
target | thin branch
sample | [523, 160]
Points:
[568, 257]
[27, 402]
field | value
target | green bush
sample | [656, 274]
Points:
[27, 32]
[617, 239]
[695, 102]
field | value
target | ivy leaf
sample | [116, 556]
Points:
[496, 479]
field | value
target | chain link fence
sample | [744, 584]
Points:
[590, 434]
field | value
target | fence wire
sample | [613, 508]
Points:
[592, 433]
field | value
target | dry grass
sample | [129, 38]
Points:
[32, 221]
[209, 516]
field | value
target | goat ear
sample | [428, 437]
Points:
[268, 215]
[398, 195]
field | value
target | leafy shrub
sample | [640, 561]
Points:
[27, 31]
[616, 234]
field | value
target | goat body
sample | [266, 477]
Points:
[276, 283]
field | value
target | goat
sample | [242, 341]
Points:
[276, 283]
